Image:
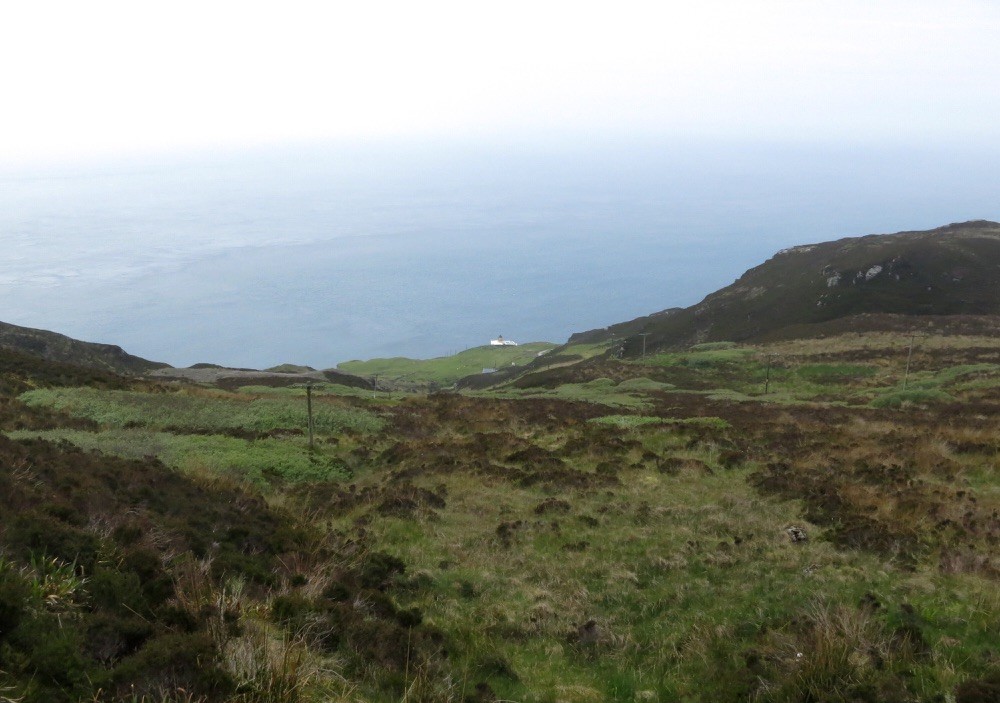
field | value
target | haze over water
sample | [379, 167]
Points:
[323, 254]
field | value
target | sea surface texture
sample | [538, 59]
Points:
[317, 255]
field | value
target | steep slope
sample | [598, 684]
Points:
[52, 346]
[894, 281]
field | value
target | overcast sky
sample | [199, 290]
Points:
[97, 78]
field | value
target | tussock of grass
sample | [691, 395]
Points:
[951, 374]
[633, 392]
[632, 421]
[699, 357]
[627, 421]
[911, 396]
[833, 373]
[642, 383]
[318, 389]
[713, 346]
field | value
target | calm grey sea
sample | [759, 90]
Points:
[321, 254]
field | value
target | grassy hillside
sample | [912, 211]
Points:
[60, 348]
[909, 280]
[657, 529]
[446, 370]
[284, 376]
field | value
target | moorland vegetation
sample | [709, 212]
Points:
[614, 529]
[805, 519]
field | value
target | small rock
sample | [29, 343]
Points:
[797, 534]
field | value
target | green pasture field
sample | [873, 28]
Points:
[446, 370]
[259, 462]
[203, 410]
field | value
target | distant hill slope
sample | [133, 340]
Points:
[57, 347]
[230, 378]
[889, 281]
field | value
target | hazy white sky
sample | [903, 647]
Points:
[84, 78]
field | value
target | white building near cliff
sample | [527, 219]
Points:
[501, 342]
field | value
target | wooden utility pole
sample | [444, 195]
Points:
[374, 386]
[309, 410]
[767, 373]
[909, 355]
[644, 335]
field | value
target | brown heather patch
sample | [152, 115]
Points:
[443, 412]
[882, 481]
[893, 486]
[15, 415]
[954, 346]
[177, 576]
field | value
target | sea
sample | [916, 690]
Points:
[321, 253]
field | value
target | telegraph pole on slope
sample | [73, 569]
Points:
[909, 355]
[309, 410]
[644, 335]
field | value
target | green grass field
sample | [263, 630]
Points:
[446, 370]
[631, 393]
[203, 410]
[258, 462]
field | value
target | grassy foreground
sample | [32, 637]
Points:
[650, 530]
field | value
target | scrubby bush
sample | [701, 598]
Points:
[913, 396]
[643, 384]
[178, 661]
[627, 421]
[14, 594]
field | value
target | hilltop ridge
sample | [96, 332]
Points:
[53, 346]
[945, 276]
[58, 348]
